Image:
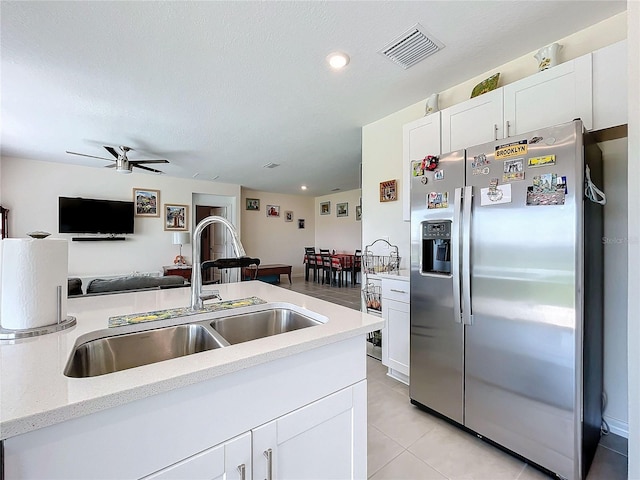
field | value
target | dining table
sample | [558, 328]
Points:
[340, 262]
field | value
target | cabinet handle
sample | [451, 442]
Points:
[507, 125]
[268, 453]
[397, 291]
[495, 131]
[241, 471]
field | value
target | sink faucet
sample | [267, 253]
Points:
[197, 296]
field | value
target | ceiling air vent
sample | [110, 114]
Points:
[412, 47]
[271, 165]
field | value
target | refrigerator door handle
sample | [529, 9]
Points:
[467, 316]
[455, 254]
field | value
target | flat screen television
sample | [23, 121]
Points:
[87, 215]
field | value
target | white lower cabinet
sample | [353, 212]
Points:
[317, 441]
[228, 461]
[395, 335]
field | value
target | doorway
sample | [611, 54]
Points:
[214, 243]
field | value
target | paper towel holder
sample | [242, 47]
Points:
[68, 322]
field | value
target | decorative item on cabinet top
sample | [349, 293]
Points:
[486, 85]
[432, 104]
[548, 56]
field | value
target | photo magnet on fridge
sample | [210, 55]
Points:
[513, 170]
[438, 175]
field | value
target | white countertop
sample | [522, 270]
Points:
[403, 275]
[34, 392]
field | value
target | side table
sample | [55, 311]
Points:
[183, 270]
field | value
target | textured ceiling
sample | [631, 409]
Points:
[222, 88]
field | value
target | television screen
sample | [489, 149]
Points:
[85, 215]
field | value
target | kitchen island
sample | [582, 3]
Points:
[292, 404]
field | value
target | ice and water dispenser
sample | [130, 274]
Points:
[436, 247]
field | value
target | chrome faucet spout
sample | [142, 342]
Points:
[196, 272]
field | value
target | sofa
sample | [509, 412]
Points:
[123, 284]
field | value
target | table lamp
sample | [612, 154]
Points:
[181, 238]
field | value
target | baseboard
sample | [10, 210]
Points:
[617, 426]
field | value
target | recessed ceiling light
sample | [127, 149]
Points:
[338, 60]
[303, 187]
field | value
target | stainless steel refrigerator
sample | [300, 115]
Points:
[506, 294]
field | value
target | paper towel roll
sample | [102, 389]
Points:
[32, 269]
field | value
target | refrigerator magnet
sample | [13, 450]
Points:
[513, 149]
[438, 200]
[481, 171]
[438, 175]
[543, 161]
[416, 168]
[479, 161]
[535, 140]
[495, 195]
[513, 170]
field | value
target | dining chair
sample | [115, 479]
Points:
[311, 264]
[356, 266]
[326, 267]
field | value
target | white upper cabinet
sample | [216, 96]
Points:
[476, 121]
[557, 95]
[610, 86]
[419, 139]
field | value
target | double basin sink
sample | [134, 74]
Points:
[120, 351]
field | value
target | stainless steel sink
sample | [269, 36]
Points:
[101, 352]
[251, 326]
[115, 353]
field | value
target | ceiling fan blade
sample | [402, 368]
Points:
[137, 162]
[112, 151]
[113, 165]
[90, 156]
[147, 168]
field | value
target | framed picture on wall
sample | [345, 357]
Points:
[325, 208]
[358, 213]
[273, 210]
[342, 210]
[288, 216]
[388, 191]
[301, 223]
[253, 204]
[176, 217]
[147, 202]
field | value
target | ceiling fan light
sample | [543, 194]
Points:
[123, 170]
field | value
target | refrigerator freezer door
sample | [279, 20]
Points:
[522, 372]
[437, 339]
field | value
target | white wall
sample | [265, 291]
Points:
[382, 160]
[615, 272]
[341, 234]
[30, 189]
[633, 33]
[273, 240]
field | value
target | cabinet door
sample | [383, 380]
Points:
[473, 122]
[395, 336]
[551, 97]
[610, 86]
[326, 439]
[419, 139]
[226, 461]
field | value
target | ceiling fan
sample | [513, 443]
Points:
[121, 163]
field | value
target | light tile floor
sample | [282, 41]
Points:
[405, 442]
